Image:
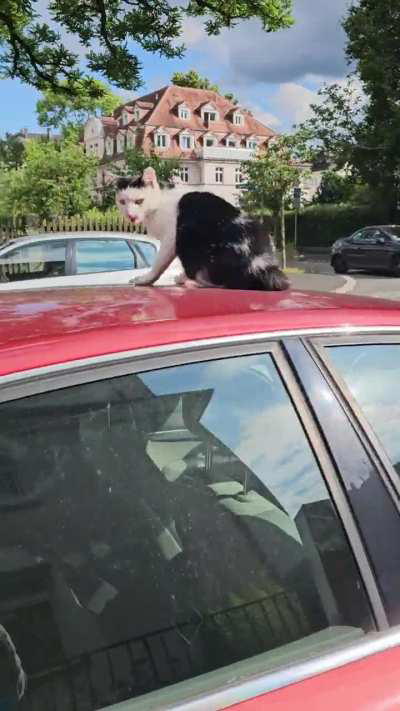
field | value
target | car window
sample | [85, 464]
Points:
[365, 236]
[33, 261]
[372, 374]
[147, 251]
[159, 526]
[103, 255]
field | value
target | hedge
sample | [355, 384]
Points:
[321, 225]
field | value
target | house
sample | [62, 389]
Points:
[209, 134]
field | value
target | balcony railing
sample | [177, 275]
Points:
[226, 153]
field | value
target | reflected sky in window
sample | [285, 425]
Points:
[251, 413]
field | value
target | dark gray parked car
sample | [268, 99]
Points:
[371, 248]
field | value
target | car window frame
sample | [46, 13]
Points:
[364, 428]
[136, 245]
[114, 365]
[68, 254]
[101, 239]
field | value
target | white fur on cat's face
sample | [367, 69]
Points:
[136, 202]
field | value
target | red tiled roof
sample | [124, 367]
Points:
[162, 106]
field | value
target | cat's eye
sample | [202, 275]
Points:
[139, 202]
[122, 201]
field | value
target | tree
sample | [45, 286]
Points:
[334, 189]
[270, 178]
[56, 179]
[193, 80]
[59, 109]
[363, 130]
[12, 152]
[373, 40]
[33, 50]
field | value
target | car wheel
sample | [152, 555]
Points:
[395, 266]
[339, 265]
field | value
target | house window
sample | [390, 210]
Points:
[231, 142]
[161, 140]
[110, 147]
[238, 176]
[184, 174]
[210, 116]
[136, 114]
[186, 142]
[252, 144]
[125, 118]
[184, 113]
[209, 140]
[121, 144]
[129, 141]
[238, 120]
[219, 175]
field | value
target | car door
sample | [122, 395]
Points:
[374, 249]
[173, 535]
[357, 249]
[104, 261]
[36, 265]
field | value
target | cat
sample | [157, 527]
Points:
[216, 245]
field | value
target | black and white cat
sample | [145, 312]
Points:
[216, 245]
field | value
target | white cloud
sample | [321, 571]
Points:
[292, 101]
[265, 117]
[193, 32]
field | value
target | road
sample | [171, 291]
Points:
[322, 278]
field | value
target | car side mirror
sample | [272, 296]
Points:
[380, 240]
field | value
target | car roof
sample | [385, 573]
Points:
[45, 327]
[79, 234]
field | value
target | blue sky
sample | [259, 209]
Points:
[276, 75]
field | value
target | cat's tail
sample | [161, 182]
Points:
[265, 275]
[274, 279]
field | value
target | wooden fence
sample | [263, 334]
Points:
[10, 229]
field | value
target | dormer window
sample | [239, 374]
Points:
[186, 141]
[161, 139]
[231, 141]
[209, 113]
[252, 143]
[209, 140]
[238, 118]
[125, 118]
[184, 112]
[136, 114]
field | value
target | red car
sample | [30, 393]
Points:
[199, 500]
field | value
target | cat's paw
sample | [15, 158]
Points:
[144, 280]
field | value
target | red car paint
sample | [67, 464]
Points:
[59, 325]
[371, 684]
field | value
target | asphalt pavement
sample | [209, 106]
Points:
[319, 276]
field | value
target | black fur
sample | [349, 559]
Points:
[215, 241]
[126, 182]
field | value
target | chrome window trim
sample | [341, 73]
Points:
[364, 428]
[240, 691]
[175, 349]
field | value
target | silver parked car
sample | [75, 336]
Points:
[77, 258]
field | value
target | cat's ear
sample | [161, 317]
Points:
[149, 178]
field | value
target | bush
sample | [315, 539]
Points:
[321, 225]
